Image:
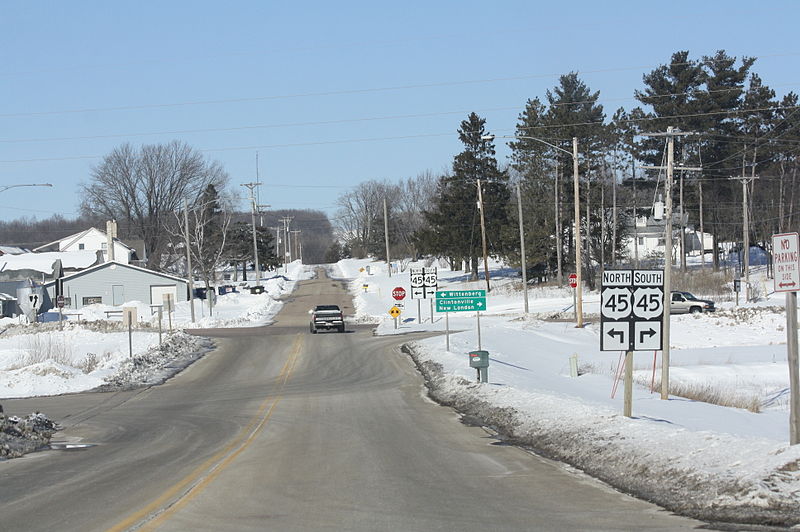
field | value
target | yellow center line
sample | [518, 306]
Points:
[149, 517]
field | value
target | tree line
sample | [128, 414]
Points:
[738, 128]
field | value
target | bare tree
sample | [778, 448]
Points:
[414, 198]
[143, 188]
[208, 233]
[359, 219]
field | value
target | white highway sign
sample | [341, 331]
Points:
[424, 282]
[631, 310]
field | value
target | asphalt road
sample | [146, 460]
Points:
[278, 429]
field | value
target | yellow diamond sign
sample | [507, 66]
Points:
[394, 312]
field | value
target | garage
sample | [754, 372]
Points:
[114, 283]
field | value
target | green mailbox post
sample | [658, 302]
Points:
[480, 361]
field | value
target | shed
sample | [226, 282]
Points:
[114, 283]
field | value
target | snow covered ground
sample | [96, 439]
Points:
[42, 359]
[712, 462]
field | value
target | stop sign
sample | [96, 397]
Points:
[399, 293]
[573, 280]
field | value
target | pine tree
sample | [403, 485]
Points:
[454, 227]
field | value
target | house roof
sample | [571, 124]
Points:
[12, 250]
[71, 239]
[121, 265]
[44, 262]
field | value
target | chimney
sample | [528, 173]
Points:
[111, 234]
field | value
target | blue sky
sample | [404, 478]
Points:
[330, 94]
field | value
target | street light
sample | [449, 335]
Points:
[4, 188]
[576, 189]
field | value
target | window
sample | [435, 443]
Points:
[641, 241]
[81, 246]
[103, 246]
[92, 300]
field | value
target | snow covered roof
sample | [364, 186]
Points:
[44, 262]
[72, 239]
[12, 250]
[122, 265]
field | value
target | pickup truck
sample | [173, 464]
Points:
[326, 317]
[685, 302]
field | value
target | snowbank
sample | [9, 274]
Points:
[711, 462]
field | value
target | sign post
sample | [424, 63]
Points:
[394, 312]
[169, 306]
[462, 301]
[129, 318]
[631, 316]
[60, 305]
[786, 266]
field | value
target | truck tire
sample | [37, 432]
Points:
[312, 329]
[341, 328]
[695, 310]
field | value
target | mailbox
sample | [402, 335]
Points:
[479, 359]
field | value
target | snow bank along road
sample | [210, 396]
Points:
[278, 429]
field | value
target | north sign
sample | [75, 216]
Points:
[631, 310]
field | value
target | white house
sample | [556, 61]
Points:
[647, 235]
[91, 239]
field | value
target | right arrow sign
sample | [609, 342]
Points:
[647, 335]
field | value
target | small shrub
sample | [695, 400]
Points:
[89, 363]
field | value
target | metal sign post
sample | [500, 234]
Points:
[129, 318]
[631, 317]
[160, 317]
[394, 312]
[170, 305]
[478, 318]
[573, 283]
[786, 266]
[447, 329]
[60, 305]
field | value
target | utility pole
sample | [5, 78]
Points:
[745, 180]
[296, 242]
[614, 214]
[578, 258]
[253, 206]
[702, 233]
[522, 249]
[557, 212]
[670, 134]
[287, 253]
[188, 256]
[483, 237]
[386, 236]
[277, 241]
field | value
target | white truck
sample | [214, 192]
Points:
[326, 317]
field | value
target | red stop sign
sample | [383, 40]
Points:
[573, 280]
[399, 293]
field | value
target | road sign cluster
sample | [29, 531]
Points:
[631, 310]
[424, 282]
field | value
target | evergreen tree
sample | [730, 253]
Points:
[454, 223]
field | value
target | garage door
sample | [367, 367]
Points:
[157, 293]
